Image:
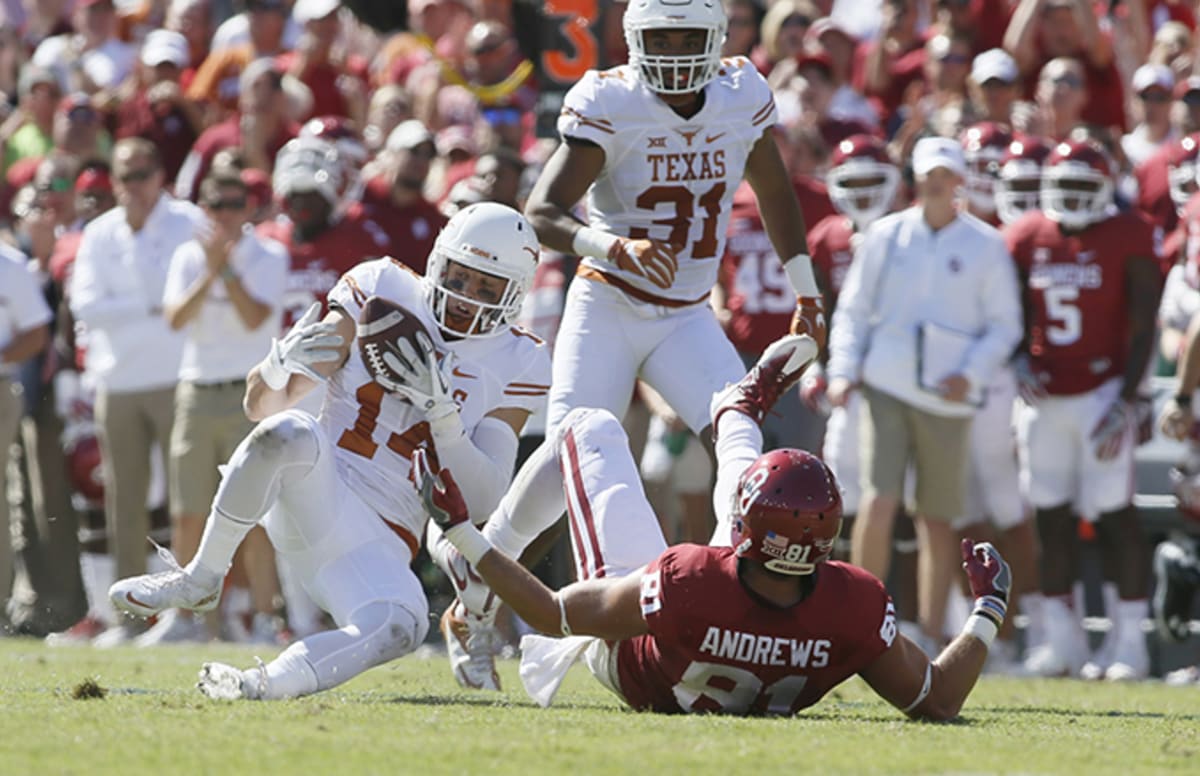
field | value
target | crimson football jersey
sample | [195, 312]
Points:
[316, 266]
[1075, 289]
[759, 295]
[714, 647]
[831, 244]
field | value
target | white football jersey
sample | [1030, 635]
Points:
[376, 432]
[667, 177]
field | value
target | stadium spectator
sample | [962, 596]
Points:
[1042, 31]
[783, 29]
[24, 332]
[156, 109]
[219, 82]
[1062, 94]
[833, 40]
[92, 58]
[224, 290]
[394, 196]
[928, 313]
[28, 132]
[390, 105]
[885, 68]
[745, 17]
[994, 86]
[1153, 85]
[193, 20]
[336, 77]
[261, 128]
[116, 291]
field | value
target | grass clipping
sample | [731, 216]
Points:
[87, 689]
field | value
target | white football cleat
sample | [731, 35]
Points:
[779, 367]
[471, 644]
[174, 588]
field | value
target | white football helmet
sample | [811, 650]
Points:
[490, 238]
[308, 164]
[671, 74]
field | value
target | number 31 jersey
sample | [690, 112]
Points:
[376, 431]
[667, 177]
[712, 647]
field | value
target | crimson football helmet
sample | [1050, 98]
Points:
[343, 135]
[984, 145]
[84, 472]
[1018, 185]
[787, 512]
[862, 181]
[491, 238]
[1182, 168]
[309, 164]
[1077, 184]
[671, 73]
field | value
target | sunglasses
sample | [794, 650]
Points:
[227, 204]
[797, 21]
[1155, 96]
[486, 48]
[137, 176]
[1073, 81]
[954, 59]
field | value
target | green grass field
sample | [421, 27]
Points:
[410, 717]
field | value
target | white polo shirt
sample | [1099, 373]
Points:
[117, 290]
[905, 275]
[22, 305]
[218, 347]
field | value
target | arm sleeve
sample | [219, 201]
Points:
[490, 455]
[91, 302]
[852, 318]
[1001, 304]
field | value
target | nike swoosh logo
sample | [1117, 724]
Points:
[129, 597]
[712, 138]
[459, 373]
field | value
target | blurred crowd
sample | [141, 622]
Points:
[154, 150]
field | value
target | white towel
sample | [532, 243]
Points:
[545, 662]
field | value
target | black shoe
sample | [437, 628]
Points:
[1177, 578]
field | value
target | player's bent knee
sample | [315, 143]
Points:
[391, 629]
[288, 437]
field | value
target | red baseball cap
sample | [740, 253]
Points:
[92, 179]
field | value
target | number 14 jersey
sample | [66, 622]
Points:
[667, 177]
[376, 431]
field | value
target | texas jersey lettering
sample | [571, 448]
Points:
[689, 169]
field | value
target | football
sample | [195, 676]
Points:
[381, 324]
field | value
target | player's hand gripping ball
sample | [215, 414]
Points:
[382, 325]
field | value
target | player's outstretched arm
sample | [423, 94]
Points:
[905, 677]
[606, 608]
[308, 354]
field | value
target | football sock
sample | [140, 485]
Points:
[532, 504]
[739, 442]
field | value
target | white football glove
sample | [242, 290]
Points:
[308, 343]
[425, 382]
[1029, 383]
[1109, 434]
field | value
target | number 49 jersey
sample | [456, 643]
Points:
[376, 431]
[667, 177]
[712, 647]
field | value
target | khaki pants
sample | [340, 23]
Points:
[209, 425]
[893, 433]
[10, 421]
[129, 424]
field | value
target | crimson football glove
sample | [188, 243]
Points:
[809, 319]
[989, 577]
[439, 492]
[1109, 434]
[652, 259]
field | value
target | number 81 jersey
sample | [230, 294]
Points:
[667, 177]
[376, 432]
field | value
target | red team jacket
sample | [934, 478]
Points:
[713, 647]
[1076, 294]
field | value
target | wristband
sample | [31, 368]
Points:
[800, 273]
[467, 539]
[982, 628]
[271, 369]
[1184, 400]
[593, 242]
